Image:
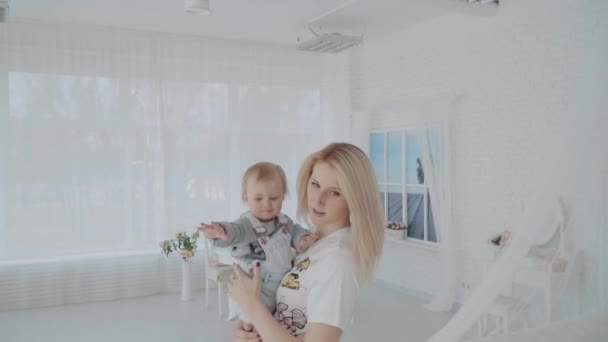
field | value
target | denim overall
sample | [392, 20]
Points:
[279, 256]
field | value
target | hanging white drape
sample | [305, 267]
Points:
[111, 140]
[433, 142]
[432, 116]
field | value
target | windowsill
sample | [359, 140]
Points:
[78, 257]
[414, 243]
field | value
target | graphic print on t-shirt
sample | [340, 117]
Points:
[303, 265]
[290, 319]
[291, 281]
[257, 249]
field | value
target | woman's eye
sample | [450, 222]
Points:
[334, 193]
[315, 184]
[274, 198]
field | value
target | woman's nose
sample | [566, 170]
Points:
[320, 199]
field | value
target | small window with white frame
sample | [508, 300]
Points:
[397, 161]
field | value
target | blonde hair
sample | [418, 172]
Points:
[263, 172]
[357, 181]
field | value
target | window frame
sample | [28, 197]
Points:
[383, 186]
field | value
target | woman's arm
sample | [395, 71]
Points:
[320, 332]
[243, 332]
[271, 331]
[267, 326]
[246, 292]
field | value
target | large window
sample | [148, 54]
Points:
[97, 164]
[397, 160]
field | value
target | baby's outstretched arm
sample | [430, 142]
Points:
[213, 231]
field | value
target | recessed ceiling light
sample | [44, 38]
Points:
[197, 6]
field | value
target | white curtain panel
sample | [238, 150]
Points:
[433, 142]
[433, 116]
[112, 140]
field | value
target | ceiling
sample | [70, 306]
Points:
[270, 21]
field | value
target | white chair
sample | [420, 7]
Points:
[559, 264]
[215, 271]
[501, 310]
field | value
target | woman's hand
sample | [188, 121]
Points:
[244, 290]
[244, 332]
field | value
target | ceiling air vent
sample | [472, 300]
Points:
[330, 43]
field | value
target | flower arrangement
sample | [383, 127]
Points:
[186, 245]
[396, 225]
[396, 230]
[500, 240]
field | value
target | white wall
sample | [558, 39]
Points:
[531, 78]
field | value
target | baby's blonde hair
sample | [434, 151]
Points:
[263, 172]
[357, 181]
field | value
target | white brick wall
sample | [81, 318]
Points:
[533, 84]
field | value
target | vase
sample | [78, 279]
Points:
[186, 280]
[395, 234]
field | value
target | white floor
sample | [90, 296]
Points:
[385, 315]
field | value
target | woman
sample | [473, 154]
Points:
[338, 194]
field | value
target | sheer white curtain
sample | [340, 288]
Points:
[433, 120]
[112, 140]
[433, 142]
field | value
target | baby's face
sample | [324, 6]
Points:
[264, 199]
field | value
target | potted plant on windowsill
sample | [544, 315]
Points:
[396, 230]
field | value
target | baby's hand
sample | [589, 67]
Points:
[305, 242]
[213, 231]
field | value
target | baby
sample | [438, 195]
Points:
[263, 234]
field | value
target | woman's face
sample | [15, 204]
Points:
[326, 203]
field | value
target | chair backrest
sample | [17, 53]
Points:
[209, 253]
[553, 237]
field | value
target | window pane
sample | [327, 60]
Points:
[395, 204]
[82, 171]
[415, 174]
[415, 212]
[395, 157]
[194, 189]
[376, 151]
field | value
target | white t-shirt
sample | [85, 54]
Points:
[322, 287]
